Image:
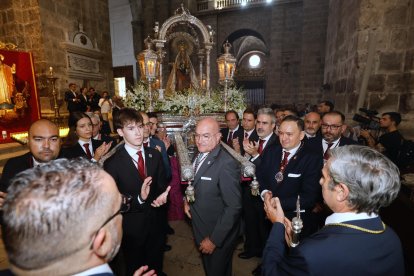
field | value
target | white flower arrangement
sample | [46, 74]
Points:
[137, 97]
[183, 101]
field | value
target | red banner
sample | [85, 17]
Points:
[19, 104]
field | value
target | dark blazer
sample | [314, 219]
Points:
[301, 177]
[274, 139]
[336, 250]
[315, 144]
[107, 139]
[14, 166]
[84, 103]
[165, 159]
[77, 150]
[217, 207]
[253, 136]
[239, 134]
[143, 226]
[138, 222]
[72, 106]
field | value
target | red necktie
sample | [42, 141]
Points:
[285, 161]
[230, 140]
[261, 142]
[246, 135]
[146, 144]
[141, 165]
[88, 152]
[326, 155]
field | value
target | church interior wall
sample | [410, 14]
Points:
[351, 26]
[42, 26]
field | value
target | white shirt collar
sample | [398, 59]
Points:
[309, 135]
[267, 137]
[103, 268]
[249, 132]
[133, 152]
[234, 130]
[81, 142]
[334, 143]
[35, 163]
[341, 217]
[292, 151]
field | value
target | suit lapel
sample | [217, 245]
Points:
[130, 165]
[211, 157]
[80, 150]
[149, 163]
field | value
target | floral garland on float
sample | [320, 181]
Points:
[183, 101]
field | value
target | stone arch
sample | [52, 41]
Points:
[183, 15]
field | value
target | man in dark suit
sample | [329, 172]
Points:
[96, 127]
[155, 144]
[233, 131]
[356, 182]
[139, 172]
[249, 128]
[312, 125]
[332, 127]
[265, 124]
[80, 204]
[290, 170]
[72, 99]
[44, 145]
[216, 211]
[253, 214]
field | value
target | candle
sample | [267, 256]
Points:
[51, 70]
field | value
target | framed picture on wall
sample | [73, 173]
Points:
[19, 103]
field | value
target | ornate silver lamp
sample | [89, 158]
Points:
[226, 66]
[148, 65]
[52, 80]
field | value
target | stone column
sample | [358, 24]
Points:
[208, 47]
[200, 60]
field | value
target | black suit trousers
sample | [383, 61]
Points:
[256, 226]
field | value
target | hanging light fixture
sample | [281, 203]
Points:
[226, 66]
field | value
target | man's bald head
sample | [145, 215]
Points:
[44, 141]
[312, 123]
[207, 134]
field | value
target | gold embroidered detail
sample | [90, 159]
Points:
[359, 228]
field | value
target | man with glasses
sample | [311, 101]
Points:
[216, 211]
[356, 183]
[62, 218]
[139, 172]
[96, 128]
[332, 128]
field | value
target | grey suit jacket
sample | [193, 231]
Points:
[216, 212]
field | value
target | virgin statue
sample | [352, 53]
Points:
[182, 75]
[6, 81]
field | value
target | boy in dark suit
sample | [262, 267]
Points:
[139, 172]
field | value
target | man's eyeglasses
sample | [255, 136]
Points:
[332, 127]
[125, 206]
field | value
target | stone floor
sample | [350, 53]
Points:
[184, 258]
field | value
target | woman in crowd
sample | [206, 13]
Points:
[106, 108]
[79, 142]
